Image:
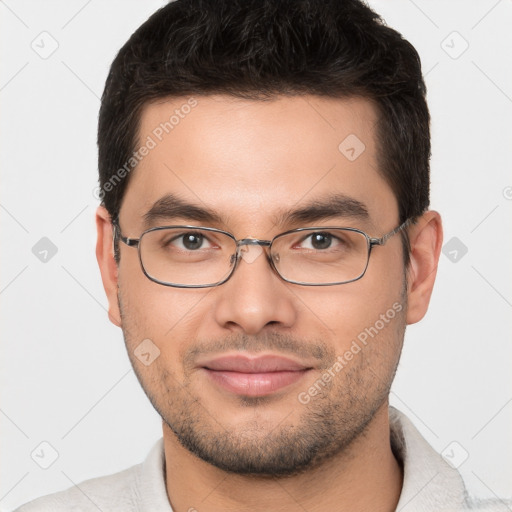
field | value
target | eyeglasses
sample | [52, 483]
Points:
[202, 257]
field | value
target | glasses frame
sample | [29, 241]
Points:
[371, 242]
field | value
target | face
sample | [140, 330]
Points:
[257, 375]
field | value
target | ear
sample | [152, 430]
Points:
[106, 262]
[426, 238]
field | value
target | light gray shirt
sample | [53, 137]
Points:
[430, 483]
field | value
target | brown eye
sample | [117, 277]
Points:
[192, 241]
[321, 240]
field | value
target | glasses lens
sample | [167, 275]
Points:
[316, 256]
[187, 256]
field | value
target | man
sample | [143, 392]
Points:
[264, 238]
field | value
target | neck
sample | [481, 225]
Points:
[365, 476]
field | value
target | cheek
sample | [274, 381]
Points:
[169, 317]
[355, 311]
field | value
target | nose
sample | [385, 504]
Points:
[255, 297]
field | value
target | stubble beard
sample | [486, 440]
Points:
[325, 427]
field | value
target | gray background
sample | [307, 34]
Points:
[65, 378]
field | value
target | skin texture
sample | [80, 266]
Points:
[251, 162]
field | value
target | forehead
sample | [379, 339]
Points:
[248, 158]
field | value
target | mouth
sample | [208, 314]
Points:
[254, 376]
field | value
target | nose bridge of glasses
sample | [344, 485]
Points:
[252, 241]
[244, 252]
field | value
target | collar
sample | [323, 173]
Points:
[430, 483]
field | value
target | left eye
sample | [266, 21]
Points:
[319, 241]
[192, 241]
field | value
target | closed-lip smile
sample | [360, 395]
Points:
[254, 375]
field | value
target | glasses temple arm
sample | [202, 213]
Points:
[116, 234]
[387, 236]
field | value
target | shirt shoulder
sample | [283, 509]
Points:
[111, 493]
[430, 483]
[140, 488]
[489, 505]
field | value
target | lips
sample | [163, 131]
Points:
[254, 376]
[260, 364]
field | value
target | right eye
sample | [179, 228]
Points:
[191, 241]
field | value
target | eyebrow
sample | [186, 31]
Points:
[332, 206]
[171, 207]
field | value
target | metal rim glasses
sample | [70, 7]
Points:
[188, 256]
